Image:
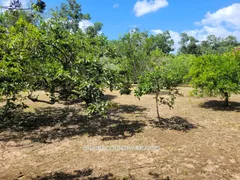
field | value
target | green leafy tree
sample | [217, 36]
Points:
[14, 5]
[15, 12]
[132, 54]
[188, 45]
[76, 56]
[134, 50]
[40, 6]
[95, 29]
[63, 62]
[17, 63]
[161, 41]
[214, 44]
[163, 77]
[216, 74]
[71, 14]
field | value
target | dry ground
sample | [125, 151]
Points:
[203, 141]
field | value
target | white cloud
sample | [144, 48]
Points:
[227, 16]
[84, 24]
[218, 31]
[176, 37]
[7, 2]
[116, 5]
[222, 23]
[147, 6]
[156, 31]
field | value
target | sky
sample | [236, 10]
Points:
[197, 18]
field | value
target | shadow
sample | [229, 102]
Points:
[78, 174]
[128, 109]
[72, 102]
[120, 130]
[220, 106]
[109, 97]
[46, 125]
[157, 176]
[174, 123]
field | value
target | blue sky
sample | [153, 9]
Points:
[196, 17]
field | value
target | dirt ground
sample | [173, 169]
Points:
[198, 139]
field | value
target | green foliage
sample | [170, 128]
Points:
[212, 45]
[216, 74]
[65, 62]
[40, 6]
[218, 45]
[100, 108]
[164, 77]
[134, 50]
[16, 64]
[9, 18]
[132, 54]
[74, 64]
[189, 45]
[116, 78]
[76, 56]
[161, 41]
[16, 6]
[94, 30]
[71, 14]
[180, 66]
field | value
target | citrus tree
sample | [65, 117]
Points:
[216, 74]
[164, 75]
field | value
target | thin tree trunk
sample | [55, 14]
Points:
[157, 94]
[226, 95]
[135, 73]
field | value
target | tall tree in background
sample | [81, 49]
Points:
[135, 49]
[188, 45]
[95, 29]
[15, 11]
[215, 44]
[14, 5]
[132, 53]
[161, 41]
[71, 14]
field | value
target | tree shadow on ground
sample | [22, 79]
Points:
[173, 123]
[220, 106]
[49, 124]
[78, 101]
[78, 174]
[72, 102]
[128, 109]
[157, 176]
[109, 97]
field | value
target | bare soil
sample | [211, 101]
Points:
[198, 139]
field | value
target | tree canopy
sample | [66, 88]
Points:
[69, 63]
[216, 74]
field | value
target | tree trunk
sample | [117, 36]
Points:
[226, 95]
[135, 73]
[157, 94]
